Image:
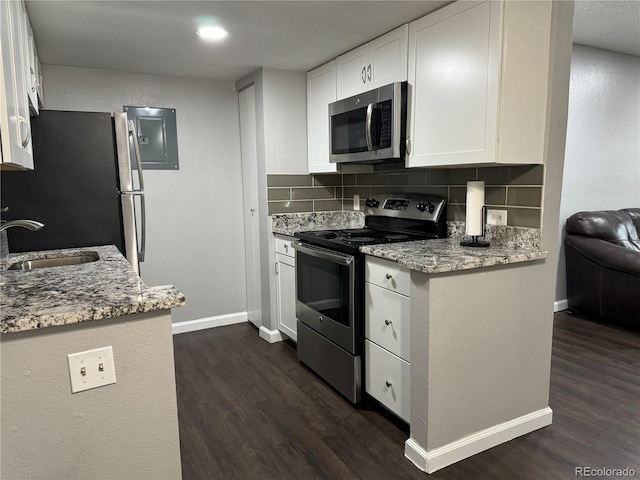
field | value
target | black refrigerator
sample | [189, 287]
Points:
[82, 187]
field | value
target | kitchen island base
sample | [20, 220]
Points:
[480, 360]
[127, 430]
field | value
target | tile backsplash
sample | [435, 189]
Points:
[517, 189]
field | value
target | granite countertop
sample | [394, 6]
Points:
[103, 289]
[508, 244]
[291, 223]
[446, 255]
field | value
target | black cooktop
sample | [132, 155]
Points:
[389, 218]
[350, 240]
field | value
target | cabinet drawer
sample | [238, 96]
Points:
[283, 245]
[387, 275]
[387, 319]
[387, 379]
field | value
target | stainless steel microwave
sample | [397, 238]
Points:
[369, 127]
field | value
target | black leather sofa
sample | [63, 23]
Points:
[602, 252]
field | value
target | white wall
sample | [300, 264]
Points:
[602, 160]
[125, 431]
[194, 215]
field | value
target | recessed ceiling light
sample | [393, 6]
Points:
[212, 33]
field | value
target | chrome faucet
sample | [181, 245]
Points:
[28, 224]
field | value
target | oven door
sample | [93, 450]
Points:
[325, 290]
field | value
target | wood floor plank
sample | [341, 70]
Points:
[249, 410]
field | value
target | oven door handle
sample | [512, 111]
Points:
[323, 253]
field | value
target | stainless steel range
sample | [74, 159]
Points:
[330, 283]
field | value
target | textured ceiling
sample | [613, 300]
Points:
[158, 37]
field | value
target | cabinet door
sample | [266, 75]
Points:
[388, 58]
[14, 110]
[454, 62]
[286, 295]
[352, 72]
[387, 379]
[321, 91]
[387, 320]
[30, 69]
[40, 85]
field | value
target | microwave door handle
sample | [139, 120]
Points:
[368, 127]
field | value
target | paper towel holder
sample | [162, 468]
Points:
[475, 239]
[476, 215]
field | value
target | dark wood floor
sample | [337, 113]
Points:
[249, 410]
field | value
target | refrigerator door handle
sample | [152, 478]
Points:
[136, 149]
[143, 216]
[143, 233]
[143, 221]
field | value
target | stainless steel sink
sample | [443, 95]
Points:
[86, 257]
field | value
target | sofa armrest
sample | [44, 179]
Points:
[605, 254]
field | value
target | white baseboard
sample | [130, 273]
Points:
[560, 305]
[209, 322]
[433, 460]
[271, 336]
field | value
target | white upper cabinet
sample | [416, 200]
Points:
[30, 68]
[321, 91]
[15, 125]
[478, 84]
[379, 62]
[40, 85]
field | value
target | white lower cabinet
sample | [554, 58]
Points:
[387, 319]
[286, 287]
[387, 379]
[387, 335]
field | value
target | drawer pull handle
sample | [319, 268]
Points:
[388, 383]
[389, 276]
[387, 322]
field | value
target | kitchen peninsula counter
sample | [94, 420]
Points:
[98, 305]
[47, 297]
[447, 255]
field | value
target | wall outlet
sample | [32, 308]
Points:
[496, 217]
[91, 369]
[356, 203]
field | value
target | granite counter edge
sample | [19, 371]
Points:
[167, 297]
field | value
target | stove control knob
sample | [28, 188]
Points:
[421, 206]
[430, 207]
[371, 202]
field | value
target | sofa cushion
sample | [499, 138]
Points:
[612, 226]
[634, 213]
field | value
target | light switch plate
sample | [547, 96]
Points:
[91, 369]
